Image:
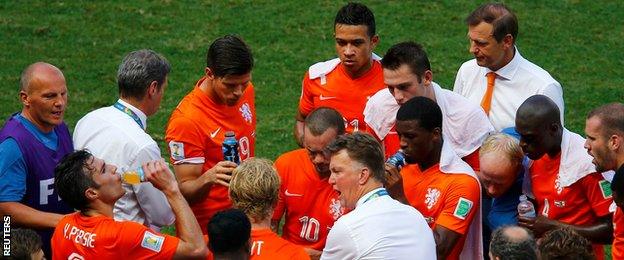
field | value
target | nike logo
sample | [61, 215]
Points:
[325, 98]
[213, 134]
[292, 194]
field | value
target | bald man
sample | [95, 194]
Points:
[568, 190]
[32, 142]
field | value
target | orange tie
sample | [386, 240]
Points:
[486, 102]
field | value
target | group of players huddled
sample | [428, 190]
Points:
[461, 158]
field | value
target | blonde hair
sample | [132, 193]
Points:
[504, 143]
[254, 188]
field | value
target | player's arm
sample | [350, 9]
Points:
[151, 200]
[600, 232]
[445, 240]
[195, 184]
[22, 215]
[312, 253]
[306, 105]
[192, 243]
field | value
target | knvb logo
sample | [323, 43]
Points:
[6, 236]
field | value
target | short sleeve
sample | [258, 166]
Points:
[306, 101]
[184, 141]
[460, 205]
[598, 193]
[142, 243]
[339, 244]
[12, 172]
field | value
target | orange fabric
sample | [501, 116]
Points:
[311, 205]
[200, 125]
[343, 93]
[617, 249]
[581, 203]
[102, 237]
[486, 102]
[437, 195]
[268, 245]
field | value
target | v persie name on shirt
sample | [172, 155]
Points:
[79, 236]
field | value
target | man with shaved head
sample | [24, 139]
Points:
[32, 142]
[568, 190]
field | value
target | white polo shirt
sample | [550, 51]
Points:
[116, 138]
[380, 228]
[515, 82]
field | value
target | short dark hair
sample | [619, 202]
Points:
[611, 118]
[138, 70]
[502, 19]
[513, 248]
[229, 55]
[228, 231]
[72, 177]
[24, 243]
[565, 243]
[356, 14]
[323, 118]
[409, 53]
[362, 148]
[422, 109]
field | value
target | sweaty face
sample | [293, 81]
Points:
[345, 176]
[45, 99]
[403, 84]
[315, 145]
[533, 139]
[354, 47]
[597, 146]
[108, 182]
[497, 173]
[230, 88]
[416, 142]
[486, 50]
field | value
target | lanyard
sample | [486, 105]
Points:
[379, 193]
[129, 112]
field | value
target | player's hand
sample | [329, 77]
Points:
[158, 173]
[539, 225]
[392, 175]
[221, 173]
[314, 254]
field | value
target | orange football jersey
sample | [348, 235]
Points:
[100, 237]
[311, 204]
[195, 134]
[268, 245]
[446, 199]
[341, 92]
[581, 203]
[617, 249]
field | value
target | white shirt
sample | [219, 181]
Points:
[515, 82]
[380, 228]
[116, 138]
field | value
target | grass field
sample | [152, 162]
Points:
[578, 42]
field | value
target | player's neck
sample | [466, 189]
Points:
[138, 104]
[98, 209]
[208, 88]
[359, 73]
[433, 159]
[262, 224]
[43, 127]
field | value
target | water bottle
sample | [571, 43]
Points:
[133, 176]
[525, 207]
[397, 160]
[230, 148]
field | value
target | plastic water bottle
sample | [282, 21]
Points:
[397, 159]
[230, 148]
[133, 176]
[525, 207]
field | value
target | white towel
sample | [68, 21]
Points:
[325, 67]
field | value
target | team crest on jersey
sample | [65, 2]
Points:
[152, 241]
[335, 208]
[246, 112]
[432, 197]
[558, 186]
